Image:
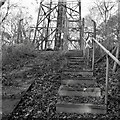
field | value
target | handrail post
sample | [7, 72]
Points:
[88, 55]
[93, 56]
[83, 42]
[93, 44]
[107, 77]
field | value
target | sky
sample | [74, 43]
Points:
[32, 6]
[84, 3]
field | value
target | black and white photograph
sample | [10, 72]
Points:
[59, 59]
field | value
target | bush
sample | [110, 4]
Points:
[15, 52]
[50, 61]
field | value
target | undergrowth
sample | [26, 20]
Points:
[13, 54]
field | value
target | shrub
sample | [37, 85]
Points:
[15, 52]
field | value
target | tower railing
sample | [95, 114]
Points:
[107, 53]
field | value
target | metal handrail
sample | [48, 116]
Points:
[107, 65]
[107, 52]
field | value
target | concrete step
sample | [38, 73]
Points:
[68, 76]
[82, 99]
[76, 59]
[82, 81]
[73, 91]
[81, 63]
[76, 65]
[74, 53]
[81, 72]
[72, 69]
[80, 108]
[73, 61]
[81, 66]
[76, 69]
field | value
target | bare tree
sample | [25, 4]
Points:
[12, 24]
[5, 11]
[2, 2]
[102, 11]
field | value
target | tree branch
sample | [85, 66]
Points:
[2, 3]
[8, 7]
[99, 8]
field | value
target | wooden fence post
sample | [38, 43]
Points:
[107, 77]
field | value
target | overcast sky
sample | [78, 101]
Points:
[85, 5]
[32, 6]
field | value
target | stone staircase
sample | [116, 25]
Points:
[79, 92]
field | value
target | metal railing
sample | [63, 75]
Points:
[108, 54]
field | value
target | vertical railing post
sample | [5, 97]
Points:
[83, 42]
[80, 25]
[87, 55]
[93, 44]
[93, 55]
[107, 77]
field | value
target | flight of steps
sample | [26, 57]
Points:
[79, 92]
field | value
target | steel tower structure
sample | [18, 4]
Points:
[59, 25]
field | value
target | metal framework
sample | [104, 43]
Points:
[59, 25]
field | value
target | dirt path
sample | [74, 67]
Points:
[18, 80]
[11, 95]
